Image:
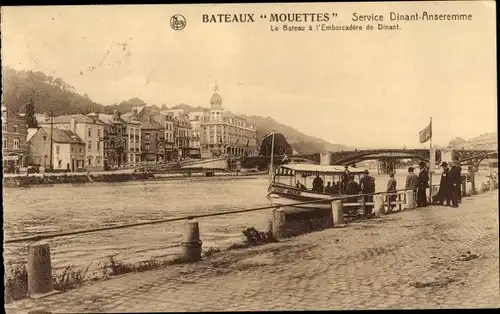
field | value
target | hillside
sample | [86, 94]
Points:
[53, 94]
[483, 141]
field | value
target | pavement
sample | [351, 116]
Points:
[434, 257]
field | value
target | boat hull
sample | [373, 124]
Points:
[216, 164]
[287, 196]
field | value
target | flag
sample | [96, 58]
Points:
[425, 134]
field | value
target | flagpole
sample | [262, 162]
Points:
[430, 166]
[272, 159]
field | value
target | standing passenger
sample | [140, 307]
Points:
[423, 184]
[446, 186]
[352, 188]
[391, 188]
[367, 186]
[317, 184]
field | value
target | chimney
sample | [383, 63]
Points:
[72, 125]
[134, 110]
[116, 115]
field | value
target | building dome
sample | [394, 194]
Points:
[216, 100]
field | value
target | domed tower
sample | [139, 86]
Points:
[216, 100]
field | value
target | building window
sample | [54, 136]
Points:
[16, 128]
[57, 150]
[98, 146]
[59, 163]
[146, 147]
[98, 132]
[4, 127]
[16, 143]
[72, 149]
[90, 146]
[98, 160]
[90, 132]
[80, 150]
[146, 136]
[45, 138]
[4, 141]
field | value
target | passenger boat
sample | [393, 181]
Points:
[283, 189]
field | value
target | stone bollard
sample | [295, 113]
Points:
[191, 243]
[279, 221]
[492, 184]
[338, 213]
[379, 208]
[410, 200]
[39, 271]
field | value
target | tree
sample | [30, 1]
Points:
[30, 114]
[281, 145]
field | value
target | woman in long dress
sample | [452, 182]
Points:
[391, 188]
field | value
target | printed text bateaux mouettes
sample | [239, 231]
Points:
[273, 17]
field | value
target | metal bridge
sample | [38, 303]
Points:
[464, 156]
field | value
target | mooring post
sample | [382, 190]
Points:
[338, 213]
[279, 221]
[191, 243]
[379, 208]
[363, 207]
[472, 177]
[492, 183]
[410, 199]
[39, 271]
[400, 206]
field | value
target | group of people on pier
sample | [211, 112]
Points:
[449, 188]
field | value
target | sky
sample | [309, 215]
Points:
[365, 88]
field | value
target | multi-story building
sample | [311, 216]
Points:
[182, 136]
[68, 150]
[152, 133]
[168, 122]
[116, 139]
[153, 141]
[224, 133]
[14, 133]
[195, 119]
[134, 141]
[89, 128]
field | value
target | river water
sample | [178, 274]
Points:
[61, 208]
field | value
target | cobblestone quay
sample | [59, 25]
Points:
[435, 257]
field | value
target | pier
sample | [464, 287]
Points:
[412, 266]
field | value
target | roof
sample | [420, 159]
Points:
[63, 136]
[151, 125]
[322, 168]
[108, 118]
[31, 132]
[79, 118]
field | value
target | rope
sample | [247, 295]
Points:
[76, 232]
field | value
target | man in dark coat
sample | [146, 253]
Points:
[456, 182]
[423, 185]
[352, 188]
[367, 186]
[317, 184]
[446, 186]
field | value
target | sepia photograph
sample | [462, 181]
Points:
[250, 157]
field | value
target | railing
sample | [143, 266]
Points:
[39, 261]
[191, 217]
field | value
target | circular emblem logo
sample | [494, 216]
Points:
[178, 22]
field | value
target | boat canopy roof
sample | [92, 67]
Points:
[330, 169]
